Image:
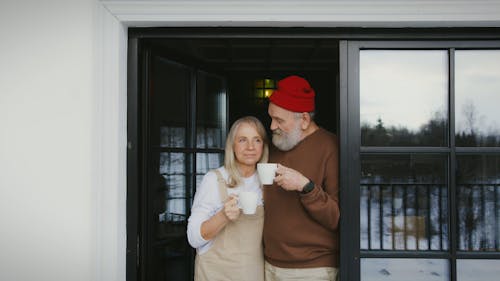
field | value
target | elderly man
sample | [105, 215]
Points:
[302, 209]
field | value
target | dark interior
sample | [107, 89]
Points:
[193, 89]
[243, 61]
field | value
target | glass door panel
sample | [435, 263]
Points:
[423, 119]
[186, 138]
[403, 202]
[403, 97]
[169, 208]
[168, 171]
[477, 85]
[478, 199]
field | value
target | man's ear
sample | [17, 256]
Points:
[306, 120]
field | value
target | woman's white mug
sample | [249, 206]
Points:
[248, 202]
[267, 172]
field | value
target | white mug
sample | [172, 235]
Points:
[248, 202]
[267, 172]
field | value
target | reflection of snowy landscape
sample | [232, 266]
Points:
[415, 217]
[172, 168]
[404, 217]
[404, 206]
[478, 270]
[479, 217]
[404, 203]
[428, 270]
[374, 269]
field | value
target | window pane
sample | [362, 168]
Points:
[211, 111]
[477, 96]
[478, 270]
[378, 269]
[172, 136]
[206, 162]
[170, 247]
[269, 83]
[403, 204]
[403, 97]
[172, 169]
[168, 99]
[478, 197]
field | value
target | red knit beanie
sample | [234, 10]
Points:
[295, 94]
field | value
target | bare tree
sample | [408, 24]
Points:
[470, 115]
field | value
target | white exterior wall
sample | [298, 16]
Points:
[63, 113]
[62, 198]
[46, 95]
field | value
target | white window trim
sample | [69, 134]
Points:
[110, 100]
[324, 13]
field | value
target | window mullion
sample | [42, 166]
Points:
[452, 190]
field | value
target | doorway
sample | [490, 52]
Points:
[406, 190]
[190, 90]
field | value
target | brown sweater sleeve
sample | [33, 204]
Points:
[322, 202]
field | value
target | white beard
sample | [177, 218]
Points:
[286, 141]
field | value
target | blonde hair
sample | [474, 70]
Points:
[229, 158]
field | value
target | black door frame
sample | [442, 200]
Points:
[349, 154]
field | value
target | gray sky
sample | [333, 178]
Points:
[406, 88]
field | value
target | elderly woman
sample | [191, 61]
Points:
[228, 242]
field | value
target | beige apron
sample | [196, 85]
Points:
[237, 252]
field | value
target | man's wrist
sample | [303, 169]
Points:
[308, 187]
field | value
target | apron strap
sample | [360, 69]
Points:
[222, 186]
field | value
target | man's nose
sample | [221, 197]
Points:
[273, 125]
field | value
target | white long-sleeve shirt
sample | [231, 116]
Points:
[207, 203]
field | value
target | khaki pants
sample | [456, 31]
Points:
[274, 273]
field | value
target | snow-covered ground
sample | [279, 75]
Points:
[375, 269]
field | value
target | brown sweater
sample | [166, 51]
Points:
[300, 230]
